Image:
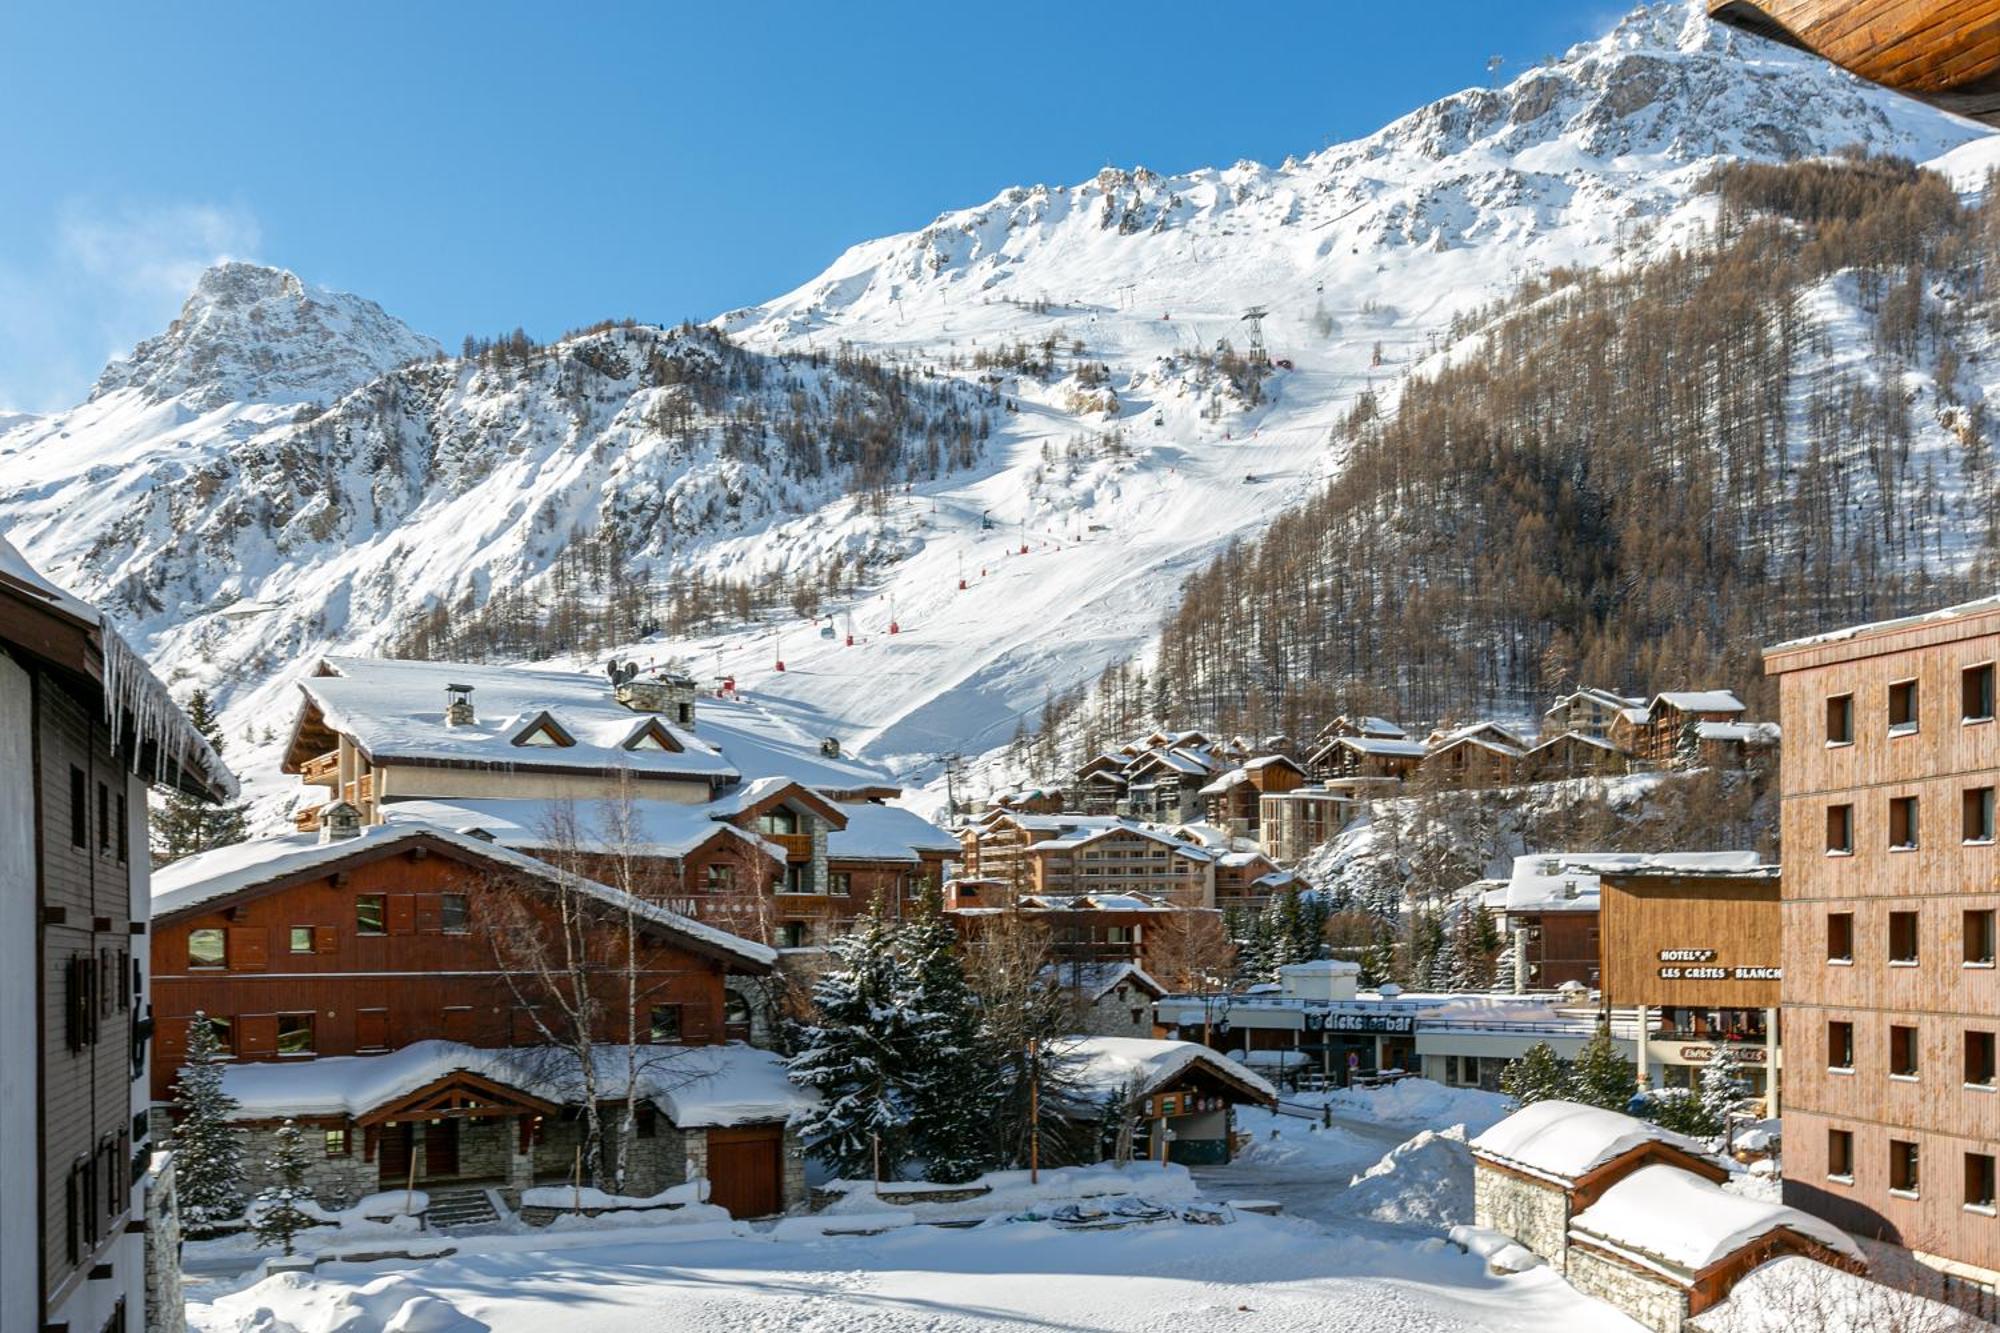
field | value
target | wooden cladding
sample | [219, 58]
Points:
[1945, 51]
[1689, 941]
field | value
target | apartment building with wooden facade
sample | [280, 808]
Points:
[85, 730]
[402, 992]
[1891, 998]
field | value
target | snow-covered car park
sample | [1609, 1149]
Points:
[1171, 1252]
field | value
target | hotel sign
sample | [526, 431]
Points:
[1700, 965]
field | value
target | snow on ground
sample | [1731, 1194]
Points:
[1258, 1275]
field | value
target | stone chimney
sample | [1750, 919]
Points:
[339, 821]
[830, 747]
[458, 706]
[668, 693]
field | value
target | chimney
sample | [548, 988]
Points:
[339, 821]
[669, 693]
[830, 747]
[458, 706]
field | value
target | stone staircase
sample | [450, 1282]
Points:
[465, 1209]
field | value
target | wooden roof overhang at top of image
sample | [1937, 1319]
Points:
[1945, 52]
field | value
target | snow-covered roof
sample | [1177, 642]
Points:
[1564, 1141]
[886, 833]
[1745, 865]
[1677, 1219]
[1268, 761]
[1382, 745]
[1943, 615]
[1126, 828]
[1739, 733]
[133, 697]
[1104, 1068]
[395, 710]
[1793, 1293]
[1698, 701]
[1235, 777]
[1602, 698]
[209, 876]
[694, 1086]
[656, 828]
[1579, 738]
[1096, 980]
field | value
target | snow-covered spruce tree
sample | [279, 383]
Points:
[184, 825]
[1722, 1086]
[208, 1153]
[1539, 1075]
[279, 1217]
[854, 1053]
[1599, 1076]
[947, 1075]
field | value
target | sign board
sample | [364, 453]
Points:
[1700, 1055]
[1344, 1021]
[1711, 973]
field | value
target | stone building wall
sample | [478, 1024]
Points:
[1533, 1213]
[1652, 1299]
[166, 1311]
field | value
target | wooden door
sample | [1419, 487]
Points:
[746, 1170]
[392, 1152]
[441, 1148]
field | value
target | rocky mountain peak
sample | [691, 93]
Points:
[252, 333]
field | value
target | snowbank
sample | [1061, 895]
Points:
[1277, 1140]
[1794, 1294]
[1009, 1192]
[1425, 1182]
[1419, 1101]
[565, 1197]
[295, 1303]
[1677, 1218]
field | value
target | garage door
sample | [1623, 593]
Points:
[746, 1170]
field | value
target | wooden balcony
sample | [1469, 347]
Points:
[322, 770]
[798, 846]
[306, 821]
[361, 790]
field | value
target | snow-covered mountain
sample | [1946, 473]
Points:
[1028, 392]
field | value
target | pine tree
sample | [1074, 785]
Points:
[184, 825]
[854, 1053]
[279, 1217]
[1539, 1075]
[1722, 1086]
[947, 1072]
[1426, 943]
[1599, 1076]
[1378, 960]
[208, 1154]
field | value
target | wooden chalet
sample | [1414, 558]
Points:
[1231, 801]
[1339, 758]
[328, 954]
[1571, 754]
[1587, 712]
[1657, 735]
[1485, 754]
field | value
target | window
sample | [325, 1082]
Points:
[719, 879]
[1840, 1045]
[840, 883]
[1902, 707]
[1840, 937]
[1840, 720]
[1978, 931]
[454, 913]
[302, 939]
[1977, 806]
[791, 934]
[645, 1123]
[79, 808]
[336, 1143]
[369, 914]
[1902, 1051]
[781, 820]
[208, 947]
[225, 1033]
[103, 818]
[1975, 690]
[664, 1024]
[1979, 1059]
[124, 830]
[1979, 1180]
[1903, 937]
[295, 1034]
[1902, 823]
[1840, 829]
[1903, 1166]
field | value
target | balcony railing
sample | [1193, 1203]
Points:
[323, 768]
[798, 846]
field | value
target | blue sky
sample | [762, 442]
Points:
[474, 168]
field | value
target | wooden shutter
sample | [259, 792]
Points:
[458, 1023]
[430, 913]
[326, 939]
[402, 912]
[257, 1036]
[170, 1039]
[371, 1029]
[249, 948]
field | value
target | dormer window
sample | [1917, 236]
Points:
[650, 735]
[783, 819]
[544, 731]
